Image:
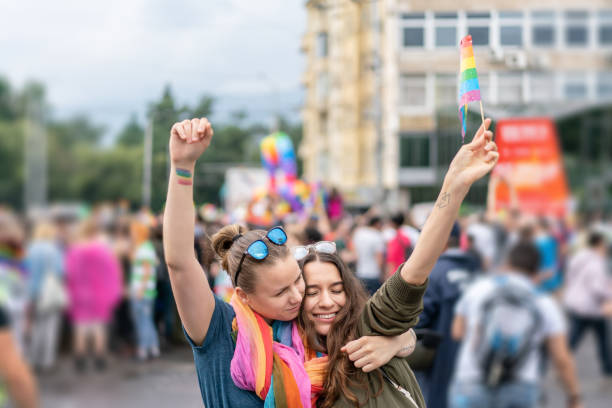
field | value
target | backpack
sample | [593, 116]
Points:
[507, 332]
[53, 296]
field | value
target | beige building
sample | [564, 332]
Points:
[381, 80]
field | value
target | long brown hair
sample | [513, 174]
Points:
[342, 375]
[230, 243]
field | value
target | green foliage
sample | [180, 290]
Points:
[79, 169]
[11, 159]
[132, 134]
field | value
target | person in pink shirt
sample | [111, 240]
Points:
[93, 280]
[399, 247]
[335, 206]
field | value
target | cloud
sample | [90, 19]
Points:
[110, 58]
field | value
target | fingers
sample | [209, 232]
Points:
[359, 354]
[368, 364]
[491, 146]
[203, 126]
[208, 130]
[481, 133]
[492, 157]
[354, 345]
[195, 135]
[178, 130]
[187, 128]
[368, 367]
[192, 131]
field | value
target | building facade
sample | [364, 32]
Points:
[380, 113]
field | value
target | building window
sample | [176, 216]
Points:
[445, 29]
[414, 150]
[576, 30]
[485, 87]
[413, 90]
[510, 88]
[604, 85]
[323, 123]
[575, 86]
[543, 28]
[322, 43]
[478, 27]
[446, 90]
[413, 30]
[322, 86]
[605, 27]
[542, 86]
[511, 28]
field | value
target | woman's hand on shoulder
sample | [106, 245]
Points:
[188, 140]
[372, 352]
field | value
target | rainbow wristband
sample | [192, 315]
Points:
[184, 177]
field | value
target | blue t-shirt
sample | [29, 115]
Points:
[212, 361]
[547, 247]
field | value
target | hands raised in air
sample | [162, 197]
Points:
[188, 140]
[475, 159]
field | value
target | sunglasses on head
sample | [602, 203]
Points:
[322, 247]
[258, 249]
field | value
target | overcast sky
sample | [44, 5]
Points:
[110, 58]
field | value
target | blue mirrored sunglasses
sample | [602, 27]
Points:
[258, 249]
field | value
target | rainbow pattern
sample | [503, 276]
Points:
[469, 88]
[272, 361]
[184, 177]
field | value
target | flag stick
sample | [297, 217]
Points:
[482, 112]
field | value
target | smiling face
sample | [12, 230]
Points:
[279, 290]
[324, 296]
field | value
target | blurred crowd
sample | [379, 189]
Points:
[95, 284]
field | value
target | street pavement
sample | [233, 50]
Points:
[171, 382]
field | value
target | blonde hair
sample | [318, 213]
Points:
[44, 230]
[139, 233]
[232, 241]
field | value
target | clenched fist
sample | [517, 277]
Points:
[188, 140]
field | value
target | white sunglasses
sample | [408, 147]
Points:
[322, 247]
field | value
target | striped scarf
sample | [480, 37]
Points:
[272, 361]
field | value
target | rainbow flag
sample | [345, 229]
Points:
[469, 89]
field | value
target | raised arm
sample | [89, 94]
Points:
[194, 298]
[472, 162]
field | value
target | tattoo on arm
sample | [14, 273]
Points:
[444, 200]
[407, 349]
[184, 177]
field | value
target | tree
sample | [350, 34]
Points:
[132, 134]
[11, 163]
[7, 104]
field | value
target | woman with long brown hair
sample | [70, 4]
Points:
[335, 311]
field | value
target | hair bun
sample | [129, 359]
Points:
[222, 241]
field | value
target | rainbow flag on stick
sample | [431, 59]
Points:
[469, 89]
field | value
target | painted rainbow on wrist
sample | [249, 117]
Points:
[184, 177]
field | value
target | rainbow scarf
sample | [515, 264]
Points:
[272, 361]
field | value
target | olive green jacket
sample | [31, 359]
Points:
[392, 310]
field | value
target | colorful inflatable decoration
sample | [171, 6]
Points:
[278, 155]
[286, 193]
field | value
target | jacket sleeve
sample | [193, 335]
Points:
[393, 309]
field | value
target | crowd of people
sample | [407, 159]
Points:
[509, 294]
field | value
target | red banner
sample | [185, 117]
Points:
[530, 159]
